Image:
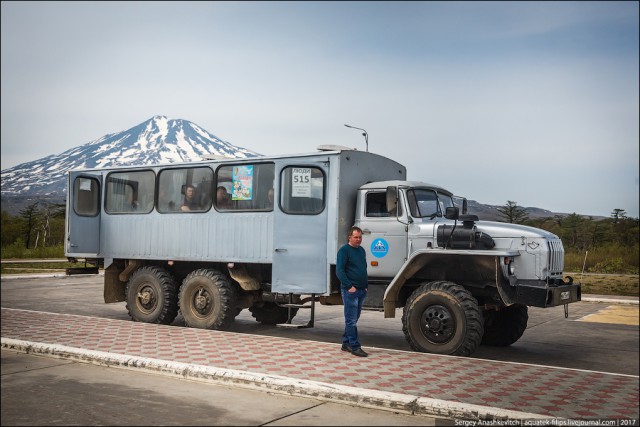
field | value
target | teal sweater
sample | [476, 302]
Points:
[351, 267]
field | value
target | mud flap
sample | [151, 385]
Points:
[114, 288]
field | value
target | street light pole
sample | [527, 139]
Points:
[366, 136]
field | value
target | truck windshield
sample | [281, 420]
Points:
[427, 203]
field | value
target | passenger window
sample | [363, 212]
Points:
[247, 187]
[185, 190]
[86, 196]
[130, 192]
[302, 190]
[376, 205]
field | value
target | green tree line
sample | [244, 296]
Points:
[607, 245]
[596, 245]
[37, 231]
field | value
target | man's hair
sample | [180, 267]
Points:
[352, 229]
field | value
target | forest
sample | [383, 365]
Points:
[591, 245]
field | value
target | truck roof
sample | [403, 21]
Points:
[398, 183]
[207, 160]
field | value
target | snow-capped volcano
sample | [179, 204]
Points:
[155, 141]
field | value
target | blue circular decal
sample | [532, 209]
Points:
[379, 248]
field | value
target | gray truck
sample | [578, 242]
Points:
[460, 282]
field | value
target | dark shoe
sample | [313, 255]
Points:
[346, 348]
[359, 352]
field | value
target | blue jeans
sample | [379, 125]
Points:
[352, 308]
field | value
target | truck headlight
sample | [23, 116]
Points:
[509, 269]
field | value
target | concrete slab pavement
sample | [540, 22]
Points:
[42, 390]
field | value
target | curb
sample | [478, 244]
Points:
[395, 402]
[610, 299]
[45, 275]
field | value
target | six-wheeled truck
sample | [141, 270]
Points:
[206, 240]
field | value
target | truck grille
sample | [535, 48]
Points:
[556, 257]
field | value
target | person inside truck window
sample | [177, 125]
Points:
[222, 198]
[268, 203]
[165, 204]
[203, 193]
[132, 203]
[189, 203]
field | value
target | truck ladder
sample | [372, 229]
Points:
[291, 305]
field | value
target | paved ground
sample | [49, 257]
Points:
[599, 335]
[576, 342]
[43, 390]
[417, 383]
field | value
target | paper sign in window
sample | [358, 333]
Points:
[301, 182]
[242, 183]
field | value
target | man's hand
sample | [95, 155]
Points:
[352, 289]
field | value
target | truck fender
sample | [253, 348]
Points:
[488, 260]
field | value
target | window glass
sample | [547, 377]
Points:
[446, 202]
[185, 190]
[376, 205]
[423, 203]
[302, 190]
[247, 187]
[130, 192]
[86, 196]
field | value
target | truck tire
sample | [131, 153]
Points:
[152, 296]
[505, 326]
[207, 300]
[443, 318]
[270, 313]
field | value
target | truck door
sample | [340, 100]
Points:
[83, 214]
[384, 235]
[300, 229]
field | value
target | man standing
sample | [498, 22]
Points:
[351, 268]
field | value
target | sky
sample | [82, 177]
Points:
[531, 102]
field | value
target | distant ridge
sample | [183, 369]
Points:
[491, 213]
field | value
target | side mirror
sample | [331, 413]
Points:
[465, 206]
[452, 213]
[392, 200]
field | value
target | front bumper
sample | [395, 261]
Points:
[547, 296]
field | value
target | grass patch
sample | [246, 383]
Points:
[608, 284]
[39, 267]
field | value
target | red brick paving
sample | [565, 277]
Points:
[548, 391]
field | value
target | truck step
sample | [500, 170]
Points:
[294, 325]
[295, 305]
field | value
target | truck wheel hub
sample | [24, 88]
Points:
[437, 324]
[201, 302]
[146, 296]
